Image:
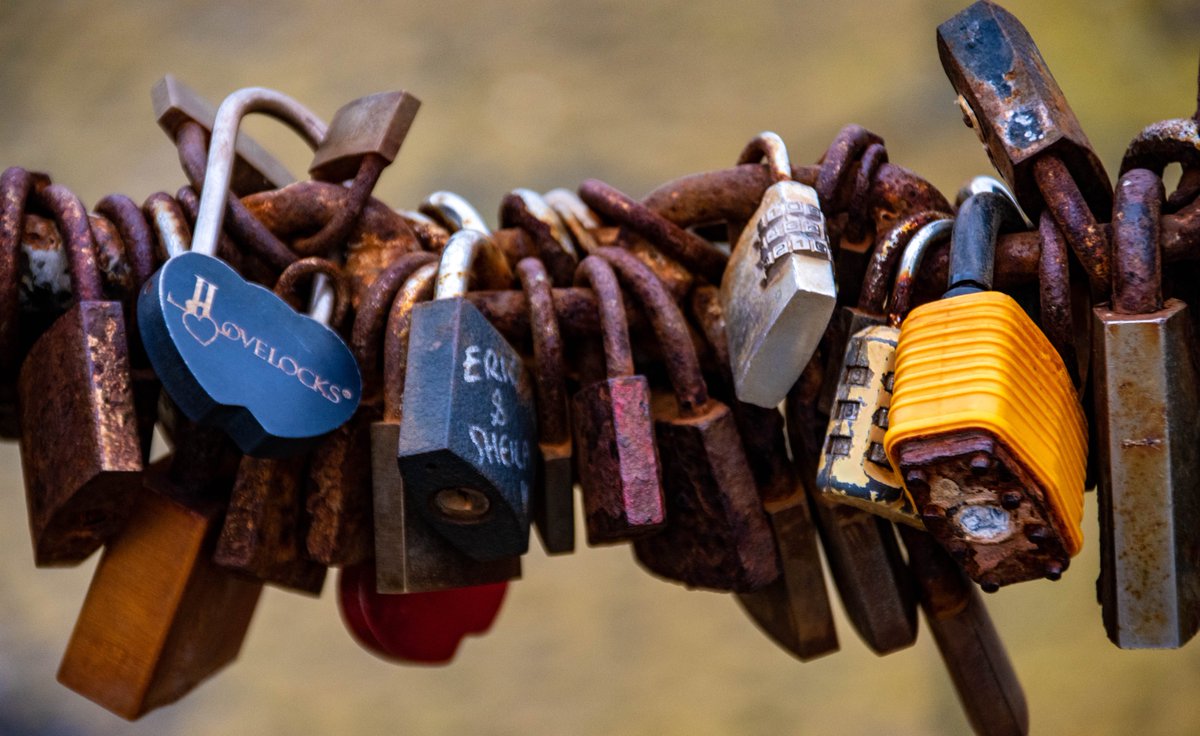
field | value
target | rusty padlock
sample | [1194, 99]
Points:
[75, 392]
[264, 531]
[619, 468]
[410, 555]
[794, 610]
[717, 535]
[1144, 364]
[160, 617]
[554, 494]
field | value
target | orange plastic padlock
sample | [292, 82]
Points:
[985, 425]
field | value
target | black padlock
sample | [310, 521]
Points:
[468, 434]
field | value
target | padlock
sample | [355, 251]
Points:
[985, 426]
[619, 469]
[230, 353]
[264, 532]
[794, 610]
[160, 617]
[525, 209]
[339, 499]
[410, 555]
[1008, 96]
[860, 547]
[554, 494]
[778, 291]
[1146, 408]
[716, 533]
[853, 468]
[80, 450]
[979, 667]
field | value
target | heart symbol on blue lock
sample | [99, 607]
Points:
[234, 355]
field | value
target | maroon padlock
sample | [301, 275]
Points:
[618, 461]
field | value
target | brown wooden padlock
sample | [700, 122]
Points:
[794, 610]
[716, 535]
[411, 556]
[80, 450]
[160, 617]
[619, 469]
[338, 502]
[553, 497]
[263, 534]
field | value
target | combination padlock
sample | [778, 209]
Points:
[778, 291]
[231, 353]
[468, 431]
[1144, 367]
[410, 555]
[986, 429]
[853, 468]
[80, 449]
[619, 469]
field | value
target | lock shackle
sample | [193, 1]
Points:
[670, 328]
[169, 223]
[930, 235]
[124, 213]
[769, 148]
[222, 152]
[1165, 142]
[453, 212]
[577, 216]
[528, 210]
[877, 281]
[550, 375]
[598, 273]
[15, 185]
[1054, 295]
[71, 216]
[329, 301]
[1137, 261]
[470, 251]
[370, 319]
[973, 243]
[416, 288]
[991, 184]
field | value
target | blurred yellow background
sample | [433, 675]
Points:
[542, 94]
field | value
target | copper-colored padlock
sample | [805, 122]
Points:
[553, 498]
[160, 617]
[619, 468]
[716, 535]
[410, 556]
[74, 392]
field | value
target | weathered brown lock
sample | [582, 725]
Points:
[979, 667]
[619, 467]
[338, 502]
[75, 393]
[860, 547]
[410, 556]
[794, 610]
[160, 617]
[716, 535]
[263, 535]
[553, 498]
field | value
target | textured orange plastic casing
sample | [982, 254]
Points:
[977, 362]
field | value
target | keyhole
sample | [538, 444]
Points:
[461, 504]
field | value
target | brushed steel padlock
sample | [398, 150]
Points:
[778, 291]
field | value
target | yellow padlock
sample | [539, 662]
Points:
[986, 428]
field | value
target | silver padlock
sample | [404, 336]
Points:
[778, 291]
[853, 468]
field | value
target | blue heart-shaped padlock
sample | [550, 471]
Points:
[234, 355]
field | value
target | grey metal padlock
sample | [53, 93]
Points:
[778, 291]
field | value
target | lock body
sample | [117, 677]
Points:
[554, 505]
[778, 293]
[80, 451]
[160, 617]
[468, 430]
[618, 460]
[338, 502]
[716, 534]
[989, 438]
[1146, 408]
[854, 469]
